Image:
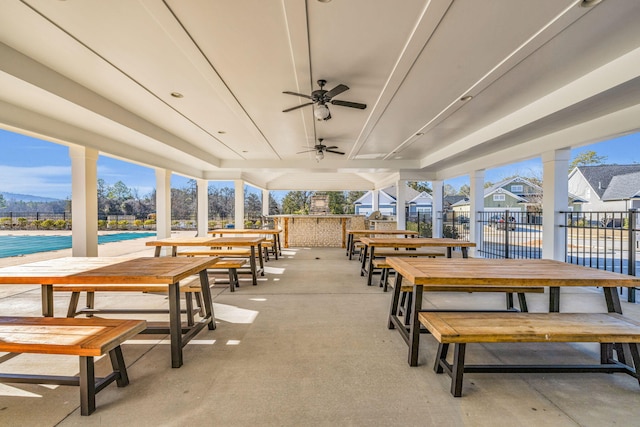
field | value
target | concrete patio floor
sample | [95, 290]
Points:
[309, 346]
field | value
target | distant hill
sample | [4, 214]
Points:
[26, 197]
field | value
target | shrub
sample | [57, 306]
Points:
[48, 224]
[123, 224]
[102, 224]
[112, 224]
[5, 222]
[150, 222]
[22, 222]
[36, 223]
[60, 224]
[138, 223]
[450, 232]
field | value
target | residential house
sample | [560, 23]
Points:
[387, 201]
[516, 194]
[612, 188]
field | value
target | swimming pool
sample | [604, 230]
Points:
[24, 245]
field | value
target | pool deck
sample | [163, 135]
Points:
[309, 346]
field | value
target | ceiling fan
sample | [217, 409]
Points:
[320, 98]
[320, 149]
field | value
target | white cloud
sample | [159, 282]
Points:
[44, 181]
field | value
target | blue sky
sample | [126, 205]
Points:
[32, 166]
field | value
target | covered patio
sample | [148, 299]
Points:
[426, 91]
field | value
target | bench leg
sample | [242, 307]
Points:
[509, 301]
[395, 300]
[522, 301]
[457, 370]
[87, 382]
[383, 278]
[232, 279]
[119, 367]
[407, 309]
[188, 302]
[73, 304]
[91, 302]
[441, 356]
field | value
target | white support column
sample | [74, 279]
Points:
[476, 203]
[84, 206]
[555, 198]
[265, 202]
[374, 200]
[203, 207]
[436, 208]
[239, 205]
[163, 203]
[401, 197]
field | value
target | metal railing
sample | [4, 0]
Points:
[510, 234]
[420, 222]
[604, 240]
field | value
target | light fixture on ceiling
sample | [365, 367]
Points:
[319, 155]
[321, 112]
[324, 1]
[466, 98]
[177, 95]
[589, 3]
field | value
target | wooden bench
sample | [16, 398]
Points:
[86, 338]
[226, 253]
[612, 331]
[190, 287]
[232, 266]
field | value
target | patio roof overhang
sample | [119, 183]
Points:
[542, 76]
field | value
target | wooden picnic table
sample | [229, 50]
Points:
[494, 272]
[371, 243]
[113, 270]
[352, 234]
[254, 243]
[274, 233]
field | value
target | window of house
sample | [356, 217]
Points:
[517, 188]
[498, 198]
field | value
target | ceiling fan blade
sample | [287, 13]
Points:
[333, 147]
[298, 94]
[349, 104]
[333, 151]
[305, 151]
[336, 91]
[296, 107]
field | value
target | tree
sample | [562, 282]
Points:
[252, 205]
[420, 186]
[337, 202]
[274, 207]
[296, 202]
[587, 158]
[449, 190]
[464, 190]
[3, 203]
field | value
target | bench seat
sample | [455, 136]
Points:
[460, 328]
[190, 287]
[86, 338]
[218, 252]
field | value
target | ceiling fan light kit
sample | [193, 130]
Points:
[320, 149]
[320, 98]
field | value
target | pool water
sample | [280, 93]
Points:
[24, 245]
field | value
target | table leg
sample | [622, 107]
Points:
[206, 296]
[156, 253]
[261, 259]
[414, 331]
[279, 244]
[349, 250]
[613, 300]
[364, 260]
[465, 252]
[175, 326]
[448, 251]
[47, 300]
[252, 262]
[370, 271]
[395, 299]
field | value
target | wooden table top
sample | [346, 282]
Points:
[419, 242]
[498, 272]
[105, 270]
[383, 232]
[207, 241]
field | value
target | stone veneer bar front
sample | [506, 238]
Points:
[317, 230]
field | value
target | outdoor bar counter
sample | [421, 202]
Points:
[317, 230]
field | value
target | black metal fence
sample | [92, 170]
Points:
[604, 240]
[420, 222]
[510, 234]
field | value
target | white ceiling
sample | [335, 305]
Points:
[544, 75]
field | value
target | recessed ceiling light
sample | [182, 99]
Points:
[177, 95]
[324, 1]
[419, 133]
[589, 3]
[222, 132]
[466, 98]
[245, 151]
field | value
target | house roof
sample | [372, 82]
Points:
[423, 198]
[386, 196]
[600, 178]
[500, 184]
[623, 187]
